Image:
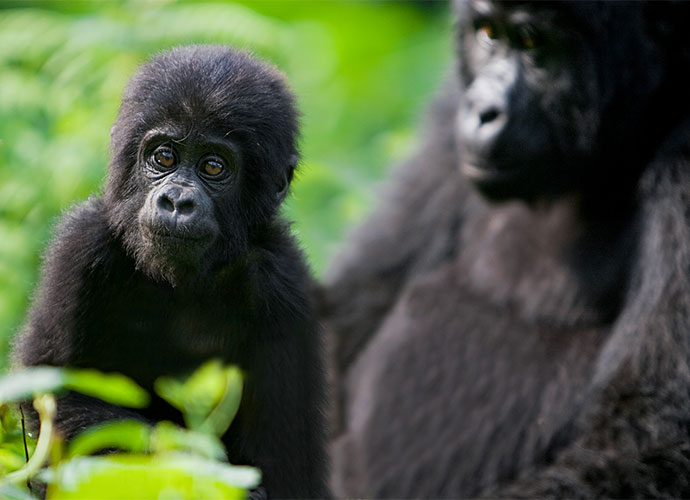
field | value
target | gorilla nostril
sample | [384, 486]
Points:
[489, 115]
[165, 203]
[171, 202]
[185, 206]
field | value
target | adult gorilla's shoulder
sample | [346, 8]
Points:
[512, 319]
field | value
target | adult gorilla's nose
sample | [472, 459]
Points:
[489, 115]
[483, 120]
[486, 106]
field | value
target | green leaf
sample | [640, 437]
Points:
[111, 387]
[139, 437]
[225, 410]
[209, 398]
[11, 460]
[150, 476]
[28, 382]
[172, 390]
[197, 395]
[126, 435]
[167, 436]
[14, 492]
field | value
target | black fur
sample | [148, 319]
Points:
[514, 319]
[174, 266]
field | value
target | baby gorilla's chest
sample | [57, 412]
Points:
[160, 335]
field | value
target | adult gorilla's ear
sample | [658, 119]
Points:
[287, 177]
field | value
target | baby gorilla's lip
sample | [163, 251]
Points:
[189, 238]
[165, 235]
[180, 237]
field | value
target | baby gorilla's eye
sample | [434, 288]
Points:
[164, 157]
[212, 167]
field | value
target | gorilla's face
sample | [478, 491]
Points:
[199, 160]
[535, 94]
[177, 223]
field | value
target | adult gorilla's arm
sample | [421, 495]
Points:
[414, 227]
[638, 434]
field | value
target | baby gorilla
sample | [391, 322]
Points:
[185, 258]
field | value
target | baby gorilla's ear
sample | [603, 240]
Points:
[287, 179]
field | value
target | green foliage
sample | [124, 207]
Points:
[12, 454]
[171, 476]
[362, 71]
[114, 388]
[29, 383]
[209, 399]
[111, 387]
[127, 435]
[159, 461]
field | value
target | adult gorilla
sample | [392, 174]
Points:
[514, 320]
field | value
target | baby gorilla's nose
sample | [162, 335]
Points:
[175, 205]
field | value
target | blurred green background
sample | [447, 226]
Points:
[363, 72]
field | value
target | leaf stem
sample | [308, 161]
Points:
[46, 407]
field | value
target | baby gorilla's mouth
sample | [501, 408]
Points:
[158, 233]
[181, 237]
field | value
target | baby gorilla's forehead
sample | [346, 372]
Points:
[194, 136]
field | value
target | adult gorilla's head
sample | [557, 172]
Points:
[562, 96]
[203, 152]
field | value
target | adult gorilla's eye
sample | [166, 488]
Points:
[486, 31]
[212, 167]
[528, 37]
[164, 157]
